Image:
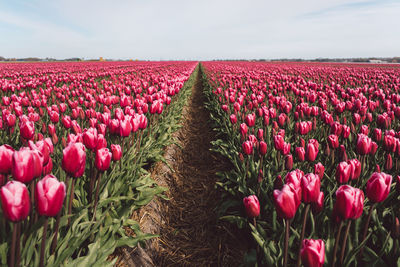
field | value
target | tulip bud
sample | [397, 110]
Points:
[252, 206]
[312, 253]
[49, 195]
[289, 162]
[15, 201]
[388, 162]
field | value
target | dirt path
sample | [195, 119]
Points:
[190, 234]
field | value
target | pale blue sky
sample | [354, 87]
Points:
[208, 29]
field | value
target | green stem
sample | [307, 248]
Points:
[71, 198]
[42, 249]
[13, 243]
[286, 243]
[344, 242]
[302, 233]
[336, 244]
[366, 228]
[97, 195]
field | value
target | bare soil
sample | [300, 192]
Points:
[190, 233]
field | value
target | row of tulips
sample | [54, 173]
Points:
[328, 129]
[79, 194]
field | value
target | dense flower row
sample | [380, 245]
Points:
[99, 112]
[328, 129]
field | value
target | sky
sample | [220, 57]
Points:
[199, 30]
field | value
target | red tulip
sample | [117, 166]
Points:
[74, 159]
[263, 148]
[312, 151]
[319, 170]
[346, 131]
[300, 153]
[103, 159]
[233, 118]
[27, 129]
[377, 134]
[125, 128]
[90, 138]
[312, 253]
[310, 187]
[116, 152]
[252, 206]
[343, 172]
[279, 142]
[243, 129]
[26, 165]
[286, 202]
[247, 147]
[349, 202]
[388, 162]
[378, 186]
[6, 153]
[15, 201]
[363, 144]
[49, 195]
[47, 169]
[289, 162]
[374, 148]
[333, 141]
[389, 143]
[356, 168]
[250, 120]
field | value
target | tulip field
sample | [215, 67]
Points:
[76, 140]
[313, 150]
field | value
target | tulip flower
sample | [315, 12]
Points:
[243, 129]
[333, 141]
[355, 168]
[252, 206]
[349, 202]
[286, 202]
[262, 148]
[49, 194]
[26, 165]
[378, 186]
[300, 153]
[319, 170]
[74, 159]
[6, 153]
[15, 201]
[233, 118]
[103, 159]
[247, 147]
[313, 253]
[90, 138]
[250, 120]
[279, 142]
[116, 152]
[289, 162]
[363, 144]
[343, 172]
[27, 130]
[311, 152]
[310, 185]
[125, 128]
